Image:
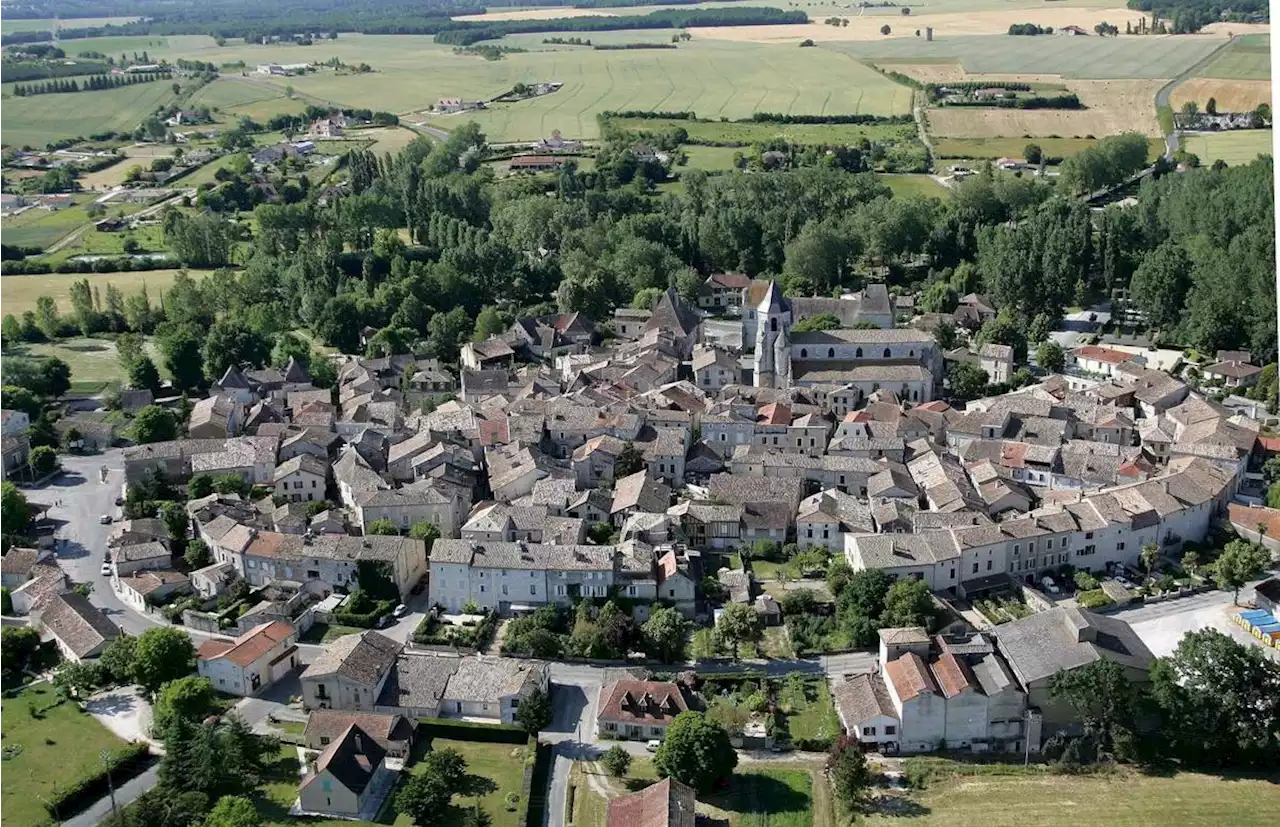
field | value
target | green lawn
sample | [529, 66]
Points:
[325, 632]
[773, 794]
[908, 185]
[38, 119]
[1125, 799]
[150, 240]
[38, 227]
[808, 709]
[92, 361]
[8, 26]
[710, 157]
[1235, 147]
[41, 754]
[502, 764]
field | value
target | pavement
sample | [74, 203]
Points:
[1162, 625]
[1076, 328]
[125, 712]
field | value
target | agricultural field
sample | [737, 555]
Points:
[1098, 58]
[231, 97]
[716, 132]
[113, 176]
[1237, 147]
[1247, 59]
[908, 185]
[19, 293]
[1004, 147]
[1112, 106]
[1126, 799]
[9, 26]
[39, 119]
[714, 79]
[710, 158]
[1238, 78]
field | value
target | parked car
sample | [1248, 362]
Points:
[653, 745]
[1050, 586]
[400, 610]
[119, 500]
[106, 569]
[385, 621]
[105, 519]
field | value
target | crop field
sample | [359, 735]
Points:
[156, 46]
[1011, 147]
[232, 97]
[1248, 59]
[40, 227]
[411, 73]
[9, 26]
[1112, 106]
[1237, 147]
[717, 132]
[1230, 95]
[1100, 58]
[42, 118]
[908, 185]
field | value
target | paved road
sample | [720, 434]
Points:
[125, 793]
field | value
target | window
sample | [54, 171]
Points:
[1119, 546]
[890, 730]
[869, 731]
[886, 353]
[324, 739]
[482, 588]
[858, 353]
[804, 353]
[533, 590]
[773, 325]
[988, 565]
[831, 353]
[975, 571]
[1048, 543]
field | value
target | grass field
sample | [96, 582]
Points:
[1247, 59]
[1235, 148]
[91, 242]
[40, 227]
[1230, 95]
[758, 795]
[756, 132]
[710, 157]
[906, 185]
[42, 118]
[92, 361]
[53, 751]
[503, 764]
[1012, 147]
[1102, 58]
[9, 26]
[19, 293]
[1124, 800]
[1111, 107]
[232, 96]
[411, 73]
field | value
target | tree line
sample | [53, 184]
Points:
[1188, 16]
[94, 83]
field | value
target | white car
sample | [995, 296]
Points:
[106, 569]
[1050, 586]
[401, 610]
[105, 519]
[653, 745]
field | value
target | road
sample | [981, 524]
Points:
[1172, 139]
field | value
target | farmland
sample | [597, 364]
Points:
[1112, 106]
[1238, 78]
[1234, 148]
[43, 118]
[1008, 147]
[1100, 58]
[20, 292]
[1123, 800]
[1247, 59]
[232, 97]
[8, 26]
[716, 132]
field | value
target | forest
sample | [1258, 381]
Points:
[1197, 251]
[1188, 16]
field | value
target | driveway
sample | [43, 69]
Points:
[125, 713]
[1162, 625]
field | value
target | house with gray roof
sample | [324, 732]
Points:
[350, 673]
[79, 628]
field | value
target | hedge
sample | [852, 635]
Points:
[534, 812]
[126, 762]
[365, 620]
[469, 731]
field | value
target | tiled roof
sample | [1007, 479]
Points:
[909, 676]
[248, 648]
[80, 625]
[667, 803]
[641, 702]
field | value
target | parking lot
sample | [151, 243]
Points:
[1162, 625]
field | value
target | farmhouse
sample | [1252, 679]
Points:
[535, 163]
[639, 710]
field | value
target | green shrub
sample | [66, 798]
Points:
[1093, 599]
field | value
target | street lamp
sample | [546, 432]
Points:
[106, 762]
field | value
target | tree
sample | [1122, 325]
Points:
[143, 374]
[534, 711]
[849, 772]
[17, 645]
[628, 462]
[476, 817]
[428, 791]
[197, 555]
[190, 698]
[696, 752]
[229, 343]
[1102, 696]
[738, 624]
[21, 399]
[382, 526]
[885, 30]
[1219, 701]
[163, 654]
[14, 515]
[233, 811]
[55, 375]
[1149, 557]
[1239, 563]
[1050, 356]
[426, 531]
[821, 321]
[967, 380]
[1032, 154]
[938, 297]
[665, 632]
[43, 460]
[1211, 106]
[1085, 581]
[488, 323]
[908, 603]
[179, 346]
[1161, 283]
[617, 761]
[79, 678]
[154, 424]
[200, 486]
[119, 658]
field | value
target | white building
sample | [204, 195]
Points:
[251, 662]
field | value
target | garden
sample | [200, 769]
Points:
[467, 631]
[796, 712]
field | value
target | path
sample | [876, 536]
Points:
[1172, 138]
[917, 112]
[125, 794]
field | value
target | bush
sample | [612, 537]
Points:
[124, 764]
[467, 731]
[1093, 599]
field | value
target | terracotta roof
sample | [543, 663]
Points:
[665, 804]
[333, 723]
[774, 414]
[1248, 517]
[953, 675]
[253, 644]
[909, 677]
[642, 702]
[1101, 354]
